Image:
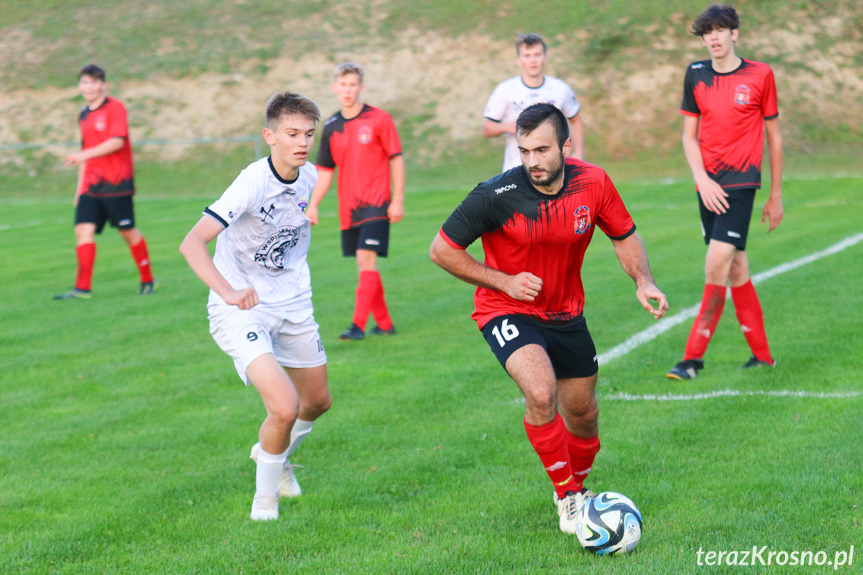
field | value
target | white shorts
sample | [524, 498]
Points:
[291, 336]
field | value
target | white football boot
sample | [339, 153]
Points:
[568, 508]
[265, 507]
[288, 484]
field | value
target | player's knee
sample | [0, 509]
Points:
[582, 417]
[321, 404]
[541, 403]
[285, 413]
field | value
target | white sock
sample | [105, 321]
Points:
[299, 432]
[268, 472]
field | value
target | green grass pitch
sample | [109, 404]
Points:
[126, 432]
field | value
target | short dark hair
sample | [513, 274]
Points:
[349, 68]
[289, 104]
[534, 116]
[93, 71]
[716, 17]
[528, 40]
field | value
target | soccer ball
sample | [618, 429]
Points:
[608, 523]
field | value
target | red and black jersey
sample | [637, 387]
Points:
[361, 148]
[111, 175]
[524, 230]
[733, 107]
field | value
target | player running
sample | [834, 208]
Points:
[531, 87]
[728, 104]
[106, 183]
[260, 303]
[363, 143]
[535, 222]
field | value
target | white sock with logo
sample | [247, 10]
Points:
[268, 472]
[298, 433]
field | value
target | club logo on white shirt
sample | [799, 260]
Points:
[274, 255]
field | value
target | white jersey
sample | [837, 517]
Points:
[267, 235]
[512, 96]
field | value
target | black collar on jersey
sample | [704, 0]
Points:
[102, 105]
[743, 64]
[362, 111]
[278, 177]
[567, 175]
[532, 87]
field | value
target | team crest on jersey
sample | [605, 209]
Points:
[275, 253]
[582, 220]
[741, 94]
[100, 123]
[303, 205]
[365, 135]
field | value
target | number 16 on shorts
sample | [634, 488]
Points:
[504, 332]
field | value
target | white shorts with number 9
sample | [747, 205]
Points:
[291, 336]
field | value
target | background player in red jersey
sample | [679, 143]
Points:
[105, 183]
[536, 222]
[363, 143]
[728, 104]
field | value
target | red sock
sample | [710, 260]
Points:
[379, 305]
[712, 303]
[366, 289]
[549, 442]
[751, 320]
[86, 258]
[142, 260]
[582, 452]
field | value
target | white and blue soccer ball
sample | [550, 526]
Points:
[608, 523]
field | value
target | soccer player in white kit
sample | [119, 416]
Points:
[260, 304]
[512, 96]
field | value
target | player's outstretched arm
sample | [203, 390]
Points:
[523, 286]
[325, 178]
[396, 209]
[576, 132]
[773, 210]
[109, 146]
[633, 259]
[492, 129]
[712, 194]
[194, 249]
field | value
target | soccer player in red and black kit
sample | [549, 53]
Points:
[363, 143]
[106, 183]
[728, 105]
[536, 221]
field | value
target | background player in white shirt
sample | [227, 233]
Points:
[512, 96]
[260, 305]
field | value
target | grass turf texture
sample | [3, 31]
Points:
[126, 430]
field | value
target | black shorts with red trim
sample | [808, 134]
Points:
[373, 235]
[568, 344]
[732, 227]
[98, 210]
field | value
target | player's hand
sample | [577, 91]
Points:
[713, 196]
[75, 159]
[75, 201]
[524, 286]
[396, 212]
[243, 298]
[651, 292]
[312, 214]
[773, 213]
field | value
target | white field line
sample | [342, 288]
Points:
[731, 393]
[6, 227]
[622, 396]
[667, 323]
